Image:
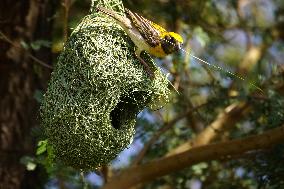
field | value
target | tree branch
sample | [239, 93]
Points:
[225, 121]
[221, 150]
[66, 5]
[162, 130]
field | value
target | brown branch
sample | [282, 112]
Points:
[252, 56]
[106, 172]
[225, 121]
[221, 150]
[35, 59]
[66, 5]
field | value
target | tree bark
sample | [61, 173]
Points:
[24, 20]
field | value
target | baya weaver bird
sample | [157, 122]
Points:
[146, 35]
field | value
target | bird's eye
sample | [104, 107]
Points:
[167, 38]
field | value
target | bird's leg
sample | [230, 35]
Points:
[146, 66]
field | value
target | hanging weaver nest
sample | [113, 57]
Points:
[95, 93]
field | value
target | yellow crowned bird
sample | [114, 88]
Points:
[146, 35]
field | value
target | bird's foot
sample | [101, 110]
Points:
[146, 67]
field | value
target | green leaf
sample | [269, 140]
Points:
[29, 162]
[24, 44]
[41, 147]
[38, 95]
[36, 45]
[201, 36]
[25, 159]
[50, 153]
[30, 166]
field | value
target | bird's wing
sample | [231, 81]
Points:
[124, 22]
[146, 28]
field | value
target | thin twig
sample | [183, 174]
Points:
[162, 130]
[6, 39]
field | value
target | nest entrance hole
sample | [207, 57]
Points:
[126, 110]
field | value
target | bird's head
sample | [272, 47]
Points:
[171, 42]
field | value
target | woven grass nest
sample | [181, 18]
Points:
[96, 90]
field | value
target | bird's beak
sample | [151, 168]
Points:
[179, 47]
